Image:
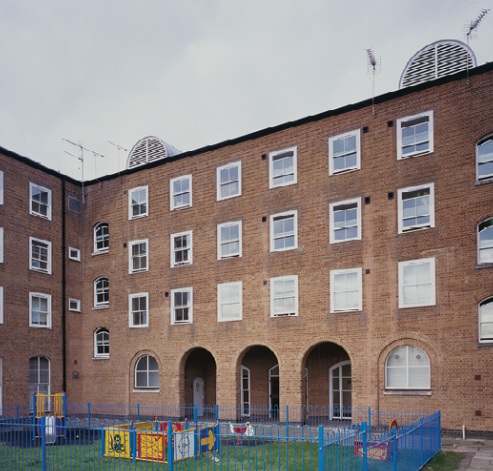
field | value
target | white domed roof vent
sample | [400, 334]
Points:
[149, 149]
[441, 58]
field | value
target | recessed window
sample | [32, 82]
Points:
[74, 305]
[344, 152]
[1, 244]
[181, 249]
[181, 306]
[229, 240]
[284, 296]
[284, 231]
[101, 343]
[1, 304]
[486, 320]
[181, 192]
[485, 241]
[346, 290]
[415, 135]
[229, 181]
[146, 373]
[345, 221]
[39, 377]
[138, 309]
[282, 167]
[137, 256]
[417, 283]
[229, 302]
[101, 292]
[407, 367]
[40, 255]
[484, 158]
[101, 238]
[40, 198]
[1, 187]
[40, 310]
[416, 208]
[74, 254]
[137, 202]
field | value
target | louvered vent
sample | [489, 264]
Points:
[437, 60]
[148, 150]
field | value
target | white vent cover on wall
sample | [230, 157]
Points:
[149, 149]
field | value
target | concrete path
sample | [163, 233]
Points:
[479, 453]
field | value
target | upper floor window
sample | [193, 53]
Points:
[346, 290]
[417, 283]
[229, 302]
[284, 231]
[74, 305]
[407, 367]
[345, 220]
[101, 292]
[344, 152]
[137, 202]
[229, 240]
[101, 343]
[146, 373]
[137, 256]
[486, 320]
[1, 187]
[284, 296]
[101, 238]
[485, 241]
[40, 198]
[416, 208]
[229, 181]
[40, 310]
[181, 192]
[40, 255]
[74, 254]
[484, 158]
[181, 249]
[282, 167]
[182, 306]
[415, 135]
[138, 310]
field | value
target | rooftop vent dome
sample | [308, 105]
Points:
[149, 149]
[438, 59]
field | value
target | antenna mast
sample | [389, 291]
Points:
[119, 149]
[471, 28]
[373, 68]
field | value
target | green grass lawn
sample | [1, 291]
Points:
[445, 461]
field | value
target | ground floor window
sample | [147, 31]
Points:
[407, 367]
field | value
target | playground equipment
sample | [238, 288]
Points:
[49, 411]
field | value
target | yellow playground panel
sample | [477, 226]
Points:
[45, 401]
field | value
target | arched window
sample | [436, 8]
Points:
[485, 241]
[39, 375]
[101, 238]
[407, 367]
[101, 343]
[146, 373]
[484, 158]
[101, 292]
[486, 320]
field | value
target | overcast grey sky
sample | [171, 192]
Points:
[198, 72]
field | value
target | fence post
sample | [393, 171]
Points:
[394, 447]
[365, 446]
[170, 446]
[287, 416]
[43, 442]
[89, 414]
[439, 431]
[138, 412]
[321, 449]
[369, 421]
[421, 457]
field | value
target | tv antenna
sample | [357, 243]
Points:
[471, 28]
[119, 147]
[374, 67]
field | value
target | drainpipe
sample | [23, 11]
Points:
[64, 293]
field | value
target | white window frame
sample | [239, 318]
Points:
[47, 297]
[220, 184]
[131, 323]
[33, 240]
[74, 254]
[98, 291]
[274, 296]
[359, 280]
[485, 317]
[1, 244]
[188, 290]
[172, 193]
[221, 243]
[139, 257]
[222, 301]
[280, 154]
[74, 304]
[407, 367]
[487, 159]
[98, 238]
[401, 124]
[431, 196]
[488, 247]
[1, 306]
[431, 282]
[1, 188]
[101, 343]
[148, 372]
[189, 248]
[139, 204]
[333, 207]
[42, 189]
[283, 235]
[332, 155]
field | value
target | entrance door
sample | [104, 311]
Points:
[198, 395]
[340, 390]
[245, 391]
[274, 391]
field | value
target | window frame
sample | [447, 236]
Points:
[280, 154]
[1, 305]
[332, 140]
[189, 291]
[139, 204]
[488, 225]
[221, 303]
[408, 386]
[481, 142]
[101, 343]
[359, 280]
[432, 282]
[332, 210]
[1, 245]
[46, 297]
[400, 210]
[189, 249]
[219, 183]
[148, 371]
[74, 305]
[38, 370]
[47, 243]
[485, 302]
[172, 193]
[131, 312]
[105, 238]
[401, 125]
[139, 257]
[274, 298]
[2, 186]
[273, 238]
[98, 291]
[74, 254]
[221, 243]
[48, 205]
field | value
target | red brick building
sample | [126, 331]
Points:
[340, 261]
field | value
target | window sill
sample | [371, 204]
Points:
[100, 252]
[101, 358]
[97, 308]
[406, 392]
[418, 154]
[45, 272]
[137, 271]
[480, 266]
[139, 216]
[342, 172]
[181, 207]
[150, 390]
[484, 181]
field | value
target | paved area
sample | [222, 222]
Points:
[479, 453]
